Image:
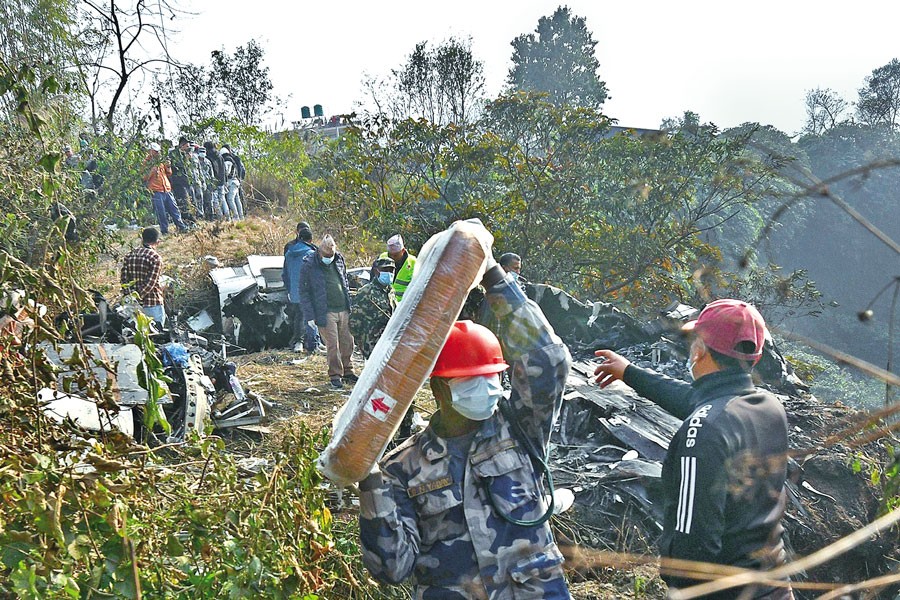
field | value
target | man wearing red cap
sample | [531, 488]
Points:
[461, 507]
[723, 476]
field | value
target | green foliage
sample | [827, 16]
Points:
[34, 36]
[275, 163]
[103, 517]
[879, 99]
[559, 59]
[891, 478]
[778, 295]
[113, 521]
[620, 217]
[151, 375]
[244, 81]
[883, 472]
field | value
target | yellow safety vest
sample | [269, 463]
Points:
[403, 276]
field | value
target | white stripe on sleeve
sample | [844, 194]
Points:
[684, 515]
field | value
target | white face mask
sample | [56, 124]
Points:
[476, 397]
[691, 363]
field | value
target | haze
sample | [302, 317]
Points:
[729, 62]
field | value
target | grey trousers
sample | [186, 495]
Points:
[338, 343]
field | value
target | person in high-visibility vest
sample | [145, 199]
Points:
[404, 261]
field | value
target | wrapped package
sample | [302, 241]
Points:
[450, 264]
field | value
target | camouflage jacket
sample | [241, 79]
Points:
[417, 520]
[372, 307]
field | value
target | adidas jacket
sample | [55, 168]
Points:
[723, 476]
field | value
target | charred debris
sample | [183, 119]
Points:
[609, 443]
[203, 389]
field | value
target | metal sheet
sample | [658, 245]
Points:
[201, 321]
[196, 404]
[60, 406]
[266, 270]
[126, 358]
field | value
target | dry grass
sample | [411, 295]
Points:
[298, 385]
[641, 582]
[300, 388]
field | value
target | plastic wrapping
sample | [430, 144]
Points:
[450, 264]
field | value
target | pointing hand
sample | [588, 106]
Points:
[611, 369]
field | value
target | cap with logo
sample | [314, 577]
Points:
[384, 264]
[724, 325]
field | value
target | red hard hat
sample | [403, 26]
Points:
[470, 350]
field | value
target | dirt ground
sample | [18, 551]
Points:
[299, 387]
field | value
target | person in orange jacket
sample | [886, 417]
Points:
[157, 182]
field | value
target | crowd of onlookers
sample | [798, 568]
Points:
[189, 182]
[202, 180]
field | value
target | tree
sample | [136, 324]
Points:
[559, 59]
[442, 85]
[189, 93]
[415, 83]
[824, 109]
[34, 33]
[125, 39]
[879, 99]
[461, 77]
[244, 81]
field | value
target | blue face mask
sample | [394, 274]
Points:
[384, 278]
[515, 276]
[326, 260]
[475, 398]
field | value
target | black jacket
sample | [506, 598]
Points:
[218, 166]
[723, 476]
[237, 169]
[312, 286]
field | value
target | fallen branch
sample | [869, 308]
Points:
[813, 560]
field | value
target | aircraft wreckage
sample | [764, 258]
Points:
[609, 443]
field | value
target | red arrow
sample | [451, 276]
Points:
[378, 404]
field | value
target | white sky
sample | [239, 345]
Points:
[729, 61]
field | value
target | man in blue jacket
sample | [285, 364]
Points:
[305, 336]
[325, 296]
[723, 476]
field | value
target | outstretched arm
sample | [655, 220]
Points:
[672, 395]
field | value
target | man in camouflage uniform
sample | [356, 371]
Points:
[460, 507]
[373, 306]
